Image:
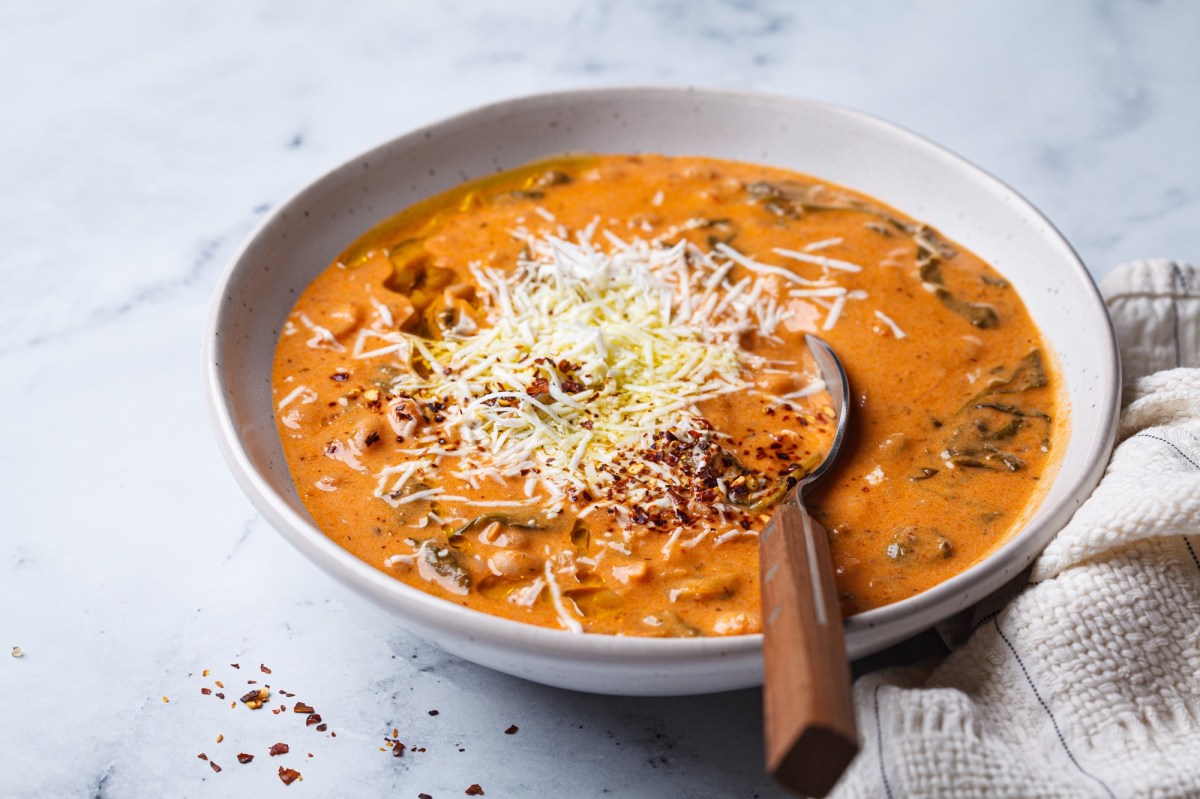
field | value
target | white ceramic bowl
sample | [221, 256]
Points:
[305, 233]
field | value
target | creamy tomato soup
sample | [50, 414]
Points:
[571, 394]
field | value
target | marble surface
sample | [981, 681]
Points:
[141, 143]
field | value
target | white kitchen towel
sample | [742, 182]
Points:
[1087, 683]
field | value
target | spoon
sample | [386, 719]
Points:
[808, 711]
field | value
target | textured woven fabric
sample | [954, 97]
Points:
[1087, 682]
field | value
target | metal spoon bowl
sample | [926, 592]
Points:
[838, 386]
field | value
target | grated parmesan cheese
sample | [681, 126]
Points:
[649, 330]
[305, 394]
[564, 618]
[322, 338]
[819, 260]
[887, 320]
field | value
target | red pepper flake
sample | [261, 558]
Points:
[278, 749]
[313, 718]
[397, 749]
[256, 698]
[289, 775]
[310, 754]
[204, 673]
[302, 708]
[395, 732]
[219, 695]
[202, 756]
[206, 691]
[433, 712]
[263, 669]
[474, 790]
[323, 727]
[512, 729]
[236, 666]
[219, 684]
[214, 766]
[424, 796]
[244, 758]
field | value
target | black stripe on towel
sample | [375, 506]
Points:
[985, 620]
[1195, 559]
[1195, 465]
[1173, 446]
[1181, 282]
[1046, 708]
[887, 787]
[1178, 279]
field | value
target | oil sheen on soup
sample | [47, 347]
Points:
[572, 393]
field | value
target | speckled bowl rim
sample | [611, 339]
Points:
[902, 619]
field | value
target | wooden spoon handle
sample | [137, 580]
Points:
[808, 710]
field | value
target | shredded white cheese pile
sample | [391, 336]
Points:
[587, 353]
